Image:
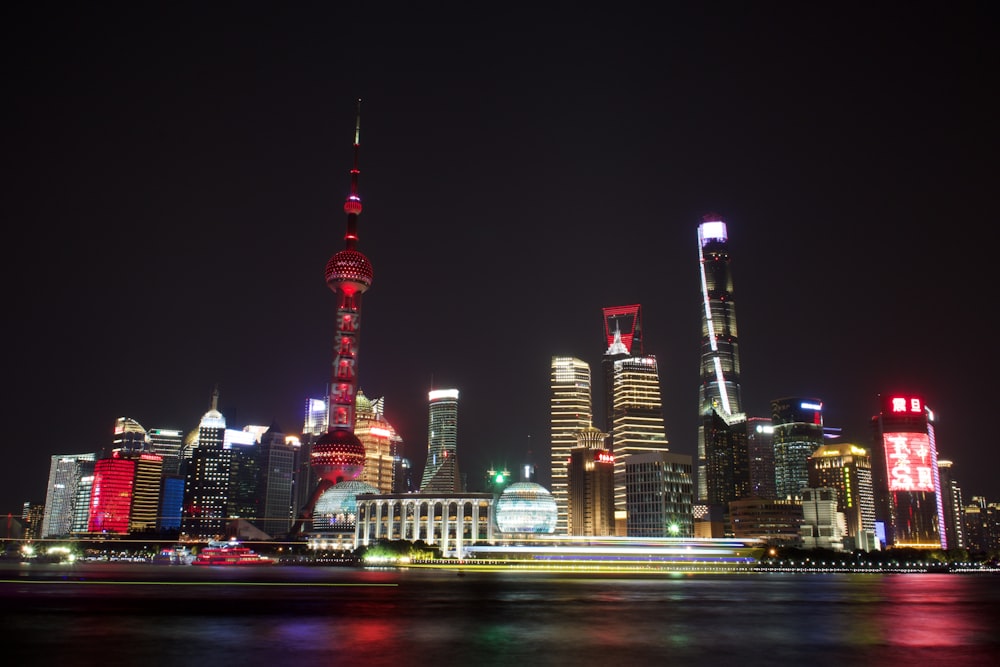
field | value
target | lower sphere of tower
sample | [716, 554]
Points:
[338, 456]
[351, 269]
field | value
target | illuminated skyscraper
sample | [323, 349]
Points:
[723, 458]
[951, 495]
[798, 432]
[570, 412]
[441, 469]
[206, 486]
[111, 495]
[848, 469]
[129, 437]
[590, 485]
[168, 444]
[145, 491]
[338, 455]
[382, 443]
[907, 480]
[622, 339]
[632, 396]
[61, 497]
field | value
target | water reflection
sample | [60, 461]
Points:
[387, 617]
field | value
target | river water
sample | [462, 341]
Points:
[133, 614]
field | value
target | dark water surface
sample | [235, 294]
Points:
[130, 614]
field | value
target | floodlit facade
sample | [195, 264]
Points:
[146, 492]
[908, 485]
[723, 457]
[570, 412]
[382, 443]
[441, 473]
[847, 468]
[637, 417]
[111, 495]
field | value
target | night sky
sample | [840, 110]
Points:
[175, 175]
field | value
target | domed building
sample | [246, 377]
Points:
[526, 507]
[337, 508]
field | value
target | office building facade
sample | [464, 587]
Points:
[797, 425]
[570, 412]
[660, 496]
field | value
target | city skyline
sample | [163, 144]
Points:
[174, 185]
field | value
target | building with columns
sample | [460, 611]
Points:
[450, 522]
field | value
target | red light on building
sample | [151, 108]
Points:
[111, 495]
[909, 462]
[902, 404]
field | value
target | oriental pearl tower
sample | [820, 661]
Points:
[338, 455]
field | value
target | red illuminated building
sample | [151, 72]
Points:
[905, 470]
[111, 495]
[338, 455]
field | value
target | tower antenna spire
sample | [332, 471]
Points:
[352, 206]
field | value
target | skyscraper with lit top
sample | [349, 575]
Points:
[338, 455]
[570, 411]
[441, 474]
[632, 398]
[723, 457]
[907, 479]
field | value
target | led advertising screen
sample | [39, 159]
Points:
[909, 462]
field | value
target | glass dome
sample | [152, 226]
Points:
[337, 508]
[526, 507]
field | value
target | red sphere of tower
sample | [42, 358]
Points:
[337, 456]
[349, 271]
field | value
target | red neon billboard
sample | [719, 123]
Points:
[909, 461]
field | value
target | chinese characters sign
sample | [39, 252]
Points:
[909, 461]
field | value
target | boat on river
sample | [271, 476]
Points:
[230, 553]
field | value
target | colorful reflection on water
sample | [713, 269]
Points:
[329, 615]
